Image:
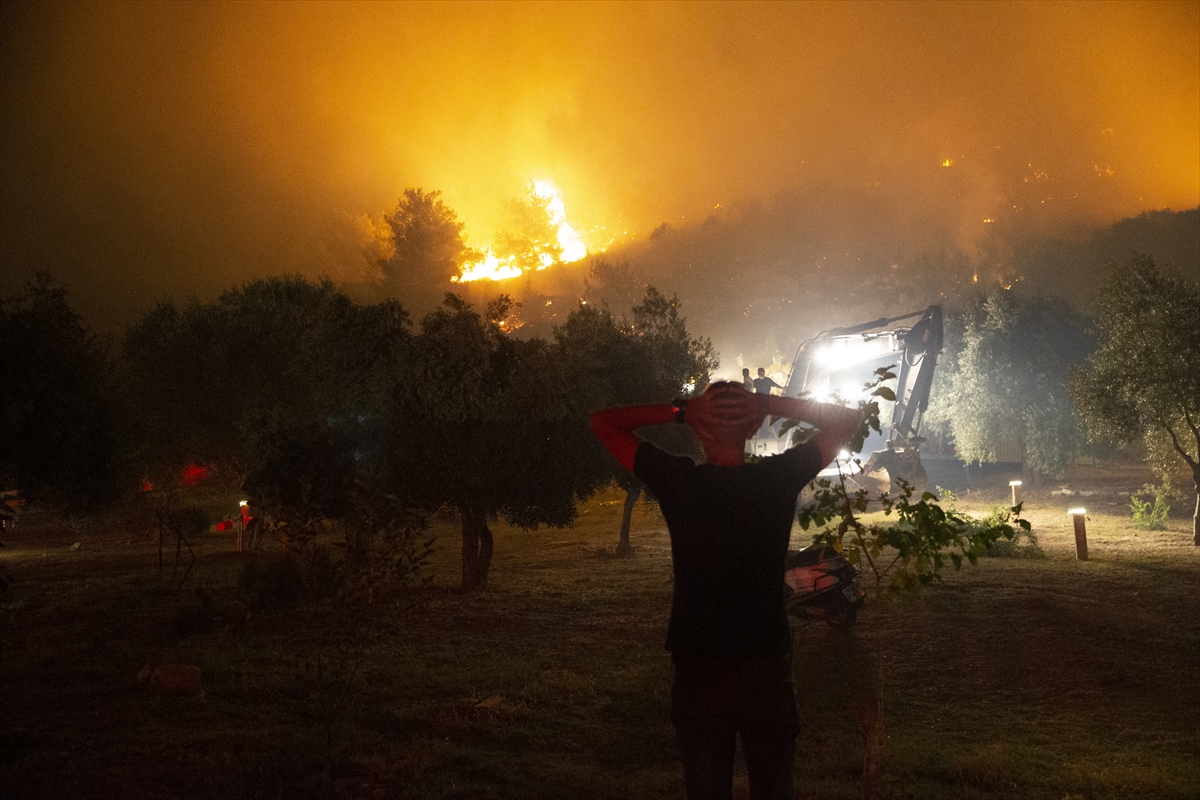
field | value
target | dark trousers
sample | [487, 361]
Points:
[715, 701]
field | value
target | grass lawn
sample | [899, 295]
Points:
[1018, 678]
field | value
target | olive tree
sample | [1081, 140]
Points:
[652, 359]
[1143, 381]
[261, 384]
[486, 425]
[1007, 377]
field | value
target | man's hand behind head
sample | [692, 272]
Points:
[724, 417]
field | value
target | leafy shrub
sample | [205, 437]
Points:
[376, 552]
[384, 546]
[1152, 516]
[1023, 544]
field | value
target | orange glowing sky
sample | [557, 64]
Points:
[162, 148]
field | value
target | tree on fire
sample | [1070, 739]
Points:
[1143, 381]
[57, 427]
[1007, 377]
[484, 424]
[529, 232]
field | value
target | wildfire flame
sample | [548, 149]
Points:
[573, 247]
[496, 268]
[489, 267]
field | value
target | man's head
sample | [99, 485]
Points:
[746, 372]
[724, 417]
[762, 373]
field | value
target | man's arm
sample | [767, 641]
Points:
[615, 427]
[835, 424]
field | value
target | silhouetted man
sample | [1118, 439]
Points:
[730, 523]
[764, 384]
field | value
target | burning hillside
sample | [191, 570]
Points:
[537, 236]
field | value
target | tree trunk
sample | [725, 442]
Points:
[631, 496]
[476, 549]
[870, 714]
[1196, 518]
[870, 720]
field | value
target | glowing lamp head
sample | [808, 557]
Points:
[1014, 483]
[843, 455]
[242, 504]
[1077, 512]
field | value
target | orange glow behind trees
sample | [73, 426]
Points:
[171, 148]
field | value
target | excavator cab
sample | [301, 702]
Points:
[834, 366]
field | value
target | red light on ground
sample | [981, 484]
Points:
[193, 474]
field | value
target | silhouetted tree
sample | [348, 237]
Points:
[608, 365]
[267, 384]
[486, 425]
[652, 360]
[1143, 381]
[614, 286]
[57, 438]
[429, 249]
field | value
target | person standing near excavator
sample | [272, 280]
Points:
[730, 524]
[764, 383]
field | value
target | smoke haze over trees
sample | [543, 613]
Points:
[159, 150]
[760, 279]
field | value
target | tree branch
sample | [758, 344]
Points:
[1187, 416]
[1179, 448]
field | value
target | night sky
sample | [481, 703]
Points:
[160, 149]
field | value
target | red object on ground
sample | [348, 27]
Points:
[175, 679]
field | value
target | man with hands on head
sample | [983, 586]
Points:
[730, 523]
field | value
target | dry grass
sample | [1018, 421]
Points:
[1042, 678]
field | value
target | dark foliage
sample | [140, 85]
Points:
[57, 439]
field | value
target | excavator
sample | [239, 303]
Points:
[833, 367]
